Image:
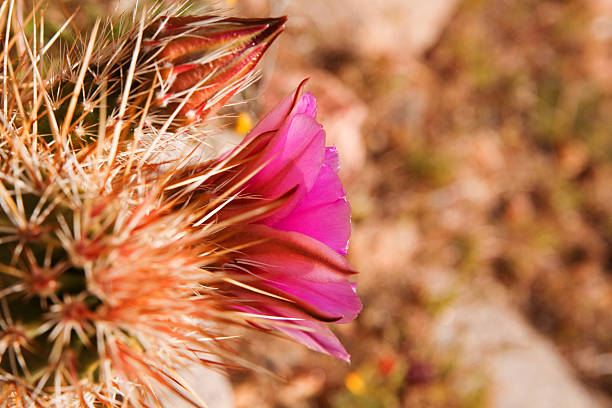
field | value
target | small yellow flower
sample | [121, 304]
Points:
[244, 123]
[355, 384]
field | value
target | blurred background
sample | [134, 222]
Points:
[476, 145]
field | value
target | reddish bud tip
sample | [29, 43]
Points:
[206, 60]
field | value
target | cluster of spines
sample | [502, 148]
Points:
[104, 279]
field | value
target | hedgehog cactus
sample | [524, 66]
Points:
[121, 263]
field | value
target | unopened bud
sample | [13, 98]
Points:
[206, 60]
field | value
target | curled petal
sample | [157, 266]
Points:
[274, 119]
[306, 105]
[320, 339]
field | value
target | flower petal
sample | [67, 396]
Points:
[334, 301]
[320, 339]
[275, 118]
[292, 158]
[327, 187]
[307, 105]
[324, 213]
[275, 248]
[297, 268]
[314, 335]
[328, 223]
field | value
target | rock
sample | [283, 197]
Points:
[394, 28]
[525, 369]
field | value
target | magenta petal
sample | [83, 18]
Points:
[332, 159]
[328, 223]
[307, 105]
[301, 269]
[335, 298]
[308, 257]
[324, 213]
[327, 187]
[317, 335]
[292, 158]
[275, 118]
[321, 339]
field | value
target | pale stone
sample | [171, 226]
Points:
[396, 28]
[524, 369]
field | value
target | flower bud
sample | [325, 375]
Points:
[206, 60]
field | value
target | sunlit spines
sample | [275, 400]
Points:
[69, 224]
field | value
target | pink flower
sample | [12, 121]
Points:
[291, 258]
[295, 156]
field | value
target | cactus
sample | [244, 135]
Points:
[120, 263]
